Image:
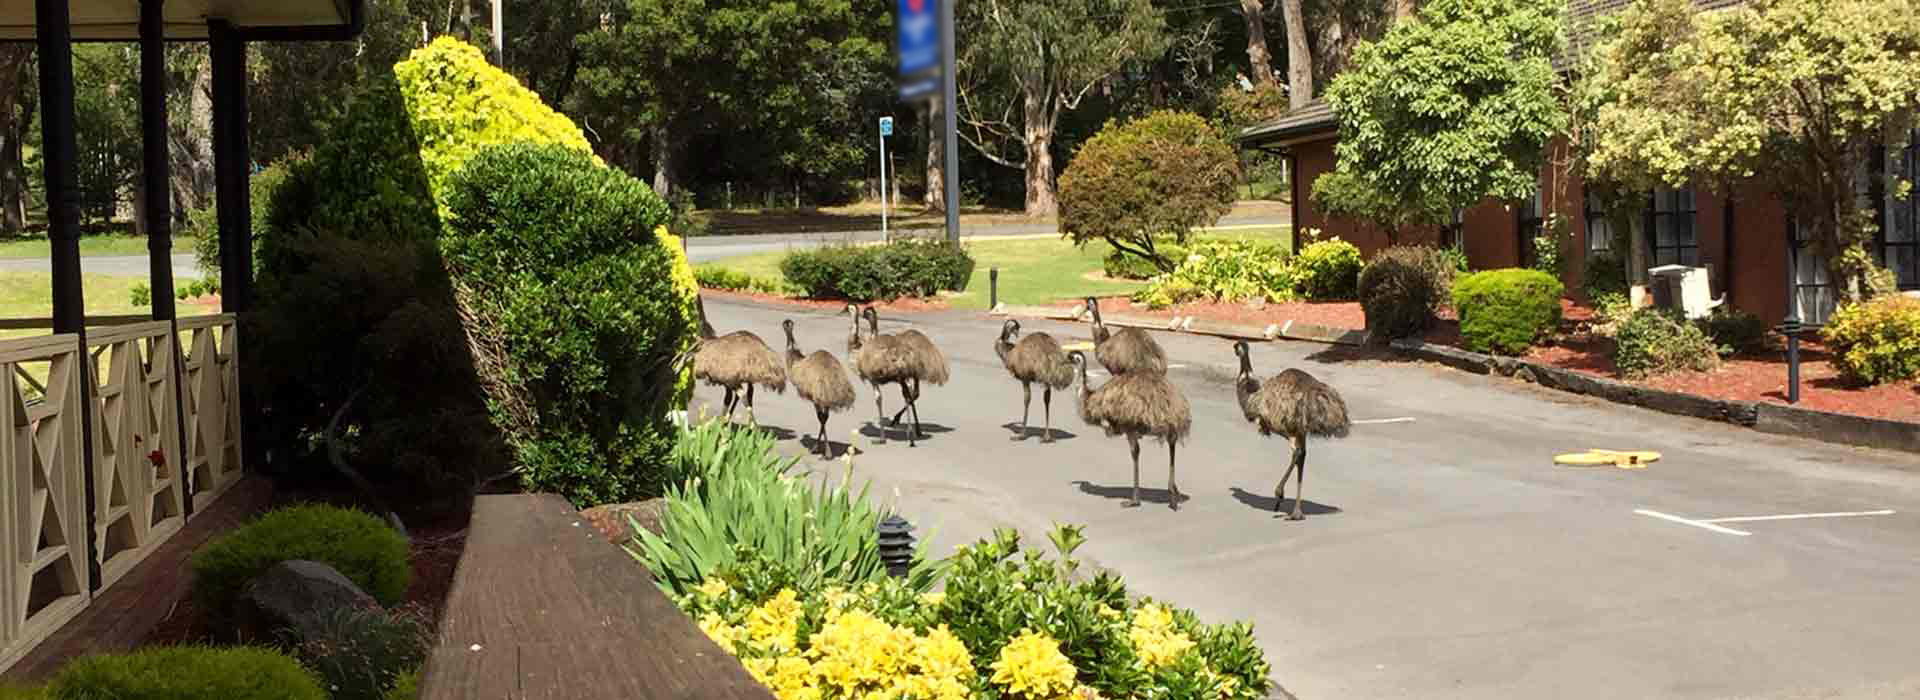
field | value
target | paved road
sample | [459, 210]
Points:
[708, 248]
[1443, 557]
[184, 266]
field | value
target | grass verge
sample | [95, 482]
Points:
[15, 248]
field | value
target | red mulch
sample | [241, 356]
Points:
[1757, 378]
[903, 304]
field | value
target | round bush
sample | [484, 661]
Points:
[187, 673]
[1505, 311]
[1163, 174]
[1878, 341]
[1328, 270]
[360, 546]
[1403, 288]
[1657, 341]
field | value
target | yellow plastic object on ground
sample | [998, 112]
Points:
[1595, 457]
[1082, 346]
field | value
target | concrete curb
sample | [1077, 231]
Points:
[1765, 417]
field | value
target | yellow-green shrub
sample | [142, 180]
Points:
[186, 673]
[459, 103]
[1505, 311]
[1877, 341]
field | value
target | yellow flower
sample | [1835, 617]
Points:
[712, 587]
[1031, 666]
[776, 623]
[838, 598]
[934, 599]
[720, 632]
[1109, 611]
[1154, 637]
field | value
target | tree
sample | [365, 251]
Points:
[1025, 62]
[1793, 93]
[1259, 60]
[14, 60]
[1446, 111]
[1299, 55]
[1164, 174]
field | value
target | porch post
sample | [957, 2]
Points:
[53, 32]
[159, 208]
[231, 167]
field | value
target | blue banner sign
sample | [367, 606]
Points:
[919, 25]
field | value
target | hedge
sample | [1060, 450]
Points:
[902, 268]
[186, 673]
[1506, 311]
[1328, 270]
[361, 547]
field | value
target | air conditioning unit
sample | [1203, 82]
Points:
[1684, 289]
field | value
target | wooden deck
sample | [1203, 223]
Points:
[123, 615]
[543, 607]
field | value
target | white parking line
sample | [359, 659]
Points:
[1379, 421]
[1797, 516]
[1695, 523]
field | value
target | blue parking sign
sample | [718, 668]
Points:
[919, 25]
[886, 126]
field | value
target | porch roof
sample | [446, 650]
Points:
[187, 20]
[1315, 117]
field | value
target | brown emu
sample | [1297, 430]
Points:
[736, 362]
[1292, 404]
[820, 380]
[1125, 350]
[930, 365]
[1036, 358]
[880, 360]
[1141, 404]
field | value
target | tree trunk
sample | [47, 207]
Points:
[1259, 60]
[191, 177]
[936, 196]
[1637, 248]
[1039, 138]
[1404, 10]
[666, 173]
[13, 183]
[1299, 56]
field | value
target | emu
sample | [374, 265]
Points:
[1036, 358]
[820, 380]
[930, 366]
[1141, 404]
[1125, 350]
[880, 360]
[1294, 405]
[736, 362]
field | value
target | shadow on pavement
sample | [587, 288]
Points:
[927, 431]
[1123, 493]
[1336, 354]
[1035, 432]
[835, 450]
[1266, 503]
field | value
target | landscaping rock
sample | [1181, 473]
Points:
[611, 520]
[296, 595]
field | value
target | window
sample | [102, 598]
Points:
[1527, 227]
[1671, 220]
[1453, 235]
[1813, 294]
[1899, 240]
[1599, 227]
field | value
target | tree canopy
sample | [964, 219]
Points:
[1164, 174]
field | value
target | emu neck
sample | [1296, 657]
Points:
[1004, 348]
[853, 336]
[793, 352]
[706, 329]
[1244, 388]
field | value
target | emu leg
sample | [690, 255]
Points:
[914, 406]
[1280, 492]
[728, 402]
[826, 448]
[1133, 446]
[1046, 406]
[907, 396]
[880, 415]
[1173, 491]
[750, 419]
[1300, 482]
[1026, 409]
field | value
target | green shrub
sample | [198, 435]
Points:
[1736, 332]
[1119, 264]
[1658, 341]
[1224, 270]
[362, 653]
[1605, 275]
[1505, 311]
[906, 267]
[719, 446]
[186, 673]
[1457, 259]
[195, 288]
[559, 266]
[22, 692]
[1546, 253]
[460, 104]
[1403, 288]
[203, 224]
[1877, 341]
[406, 687]
[717, 277]
[140, 294]
[361, 547]
[1161, 175]
[1328, 270]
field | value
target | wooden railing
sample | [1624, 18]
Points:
[153, 449]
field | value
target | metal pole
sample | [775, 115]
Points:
[950, 166]
[883, 186]
[499, 37]
[1790, 327]
[993, 288]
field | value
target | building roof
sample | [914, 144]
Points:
[1311, 118]
[1583, 25]
[186, 20]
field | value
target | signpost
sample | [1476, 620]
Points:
[926, 70]
[886, 129]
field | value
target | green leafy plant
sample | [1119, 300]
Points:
[360, 546]
[1403, 288]
[203, 224]
[1736, 332]
[1657, 341]
[1224, 270]
[1877, 341]
[186, 673]
[717, 277]
[717, 446]
[1156, 177]
[1506, 311]
[406, 687]
[1546, 251]
[140, 294]
[1456, 258]
[1605, 276]
[1328, 270]
[363, 653]
[906, 267]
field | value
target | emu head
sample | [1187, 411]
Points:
[1246, 362]
[1079, 360]
[1009, 329]
[873, 319]
[787, 325]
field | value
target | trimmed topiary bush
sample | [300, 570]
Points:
[460, 103]
[1402, 290]
[186, 673]
[1137, 182]
[1878, 341]
[917, 268]
[1506, 311]
[1328, 270]
[361, 547]
[1658, 341]
[567, 289]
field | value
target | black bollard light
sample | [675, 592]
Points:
[993, 288]
[1792, 329]
[896, 545]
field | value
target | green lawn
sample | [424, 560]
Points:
[1032, 270]
[30, 295]
[89, 246]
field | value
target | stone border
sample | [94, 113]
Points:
[1765, 417]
